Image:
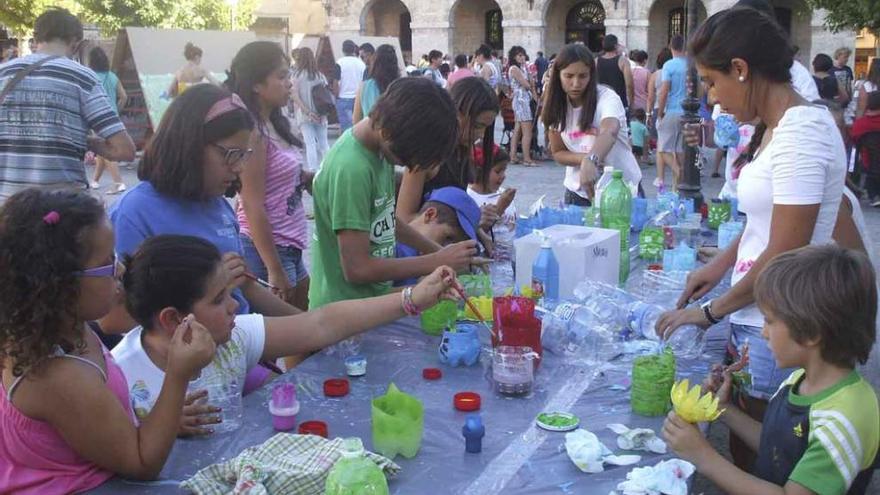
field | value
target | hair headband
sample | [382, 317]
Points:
[479, 161]
[224, 106]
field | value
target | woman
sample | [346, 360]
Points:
[523, 93]
[191, 73]
[312, 124]
[116, 96]
[652, 104]
[587, 125]
[640, 77]
[790, 191]
[382, 73]
[829, 87]
[871, 84]
[485, 67]
[270, 210]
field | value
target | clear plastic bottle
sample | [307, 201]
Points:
[616, 211]
[354, 473]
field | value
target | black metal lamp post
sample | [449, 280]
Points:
[689, 186]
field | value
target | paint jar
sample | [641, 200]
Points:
[513, 370]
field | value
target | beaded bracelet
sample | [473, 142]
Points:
[409, 307]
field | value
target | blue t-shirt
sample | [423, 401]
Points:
[404, 251]
[144, 212]
[638, 132]
[675, 71]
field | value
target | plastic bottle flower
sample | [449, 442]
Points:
[690, 406]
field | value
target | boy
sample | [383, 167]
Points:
[821, 430]
[355, 226]
[638, 133]
[448, 216]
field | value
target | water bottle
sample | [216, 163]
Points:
[616, 210]
[545, 271]
[602, 183]
[354, 473]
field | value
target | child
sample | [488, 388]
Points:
[448, 216]
[171, 276]
[862, 128]
[496, 202]
[412, 124]
[64, 407]
[821, 429]
[638, 133]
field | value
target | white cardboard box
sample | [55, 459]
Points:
[582, 253]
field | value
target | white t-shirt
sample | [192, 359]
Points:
[608, 105]
[804, 164]
[351, 70]
[803, 82]
[230, 366]
[859, 220]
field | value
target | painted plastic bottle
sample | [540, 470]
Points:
[473, 431]
[616, 211]
[545, 271]
[602, 184]
[354, 473]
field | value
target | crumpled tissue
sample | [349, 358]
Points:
[637, 439]
[590, 455]
[666, 477]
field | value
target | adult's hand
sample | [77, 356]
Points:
[589, 173]
[670, 321]
[699, 283]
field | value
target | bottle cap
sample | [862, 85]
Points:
[352, 447]
[608, 169]
[432, 373]
[467, 401]
[336, 387]
[318, 428]
[617, 174]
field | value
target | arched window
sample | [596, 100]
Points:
[494, 30]
[677, 23]
[585, 23]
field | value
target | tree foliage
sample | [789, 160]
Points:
[850, 14]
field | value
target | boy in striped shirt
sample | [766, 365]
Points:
[821, 430]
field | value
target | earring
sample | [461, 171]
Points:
[741, 79]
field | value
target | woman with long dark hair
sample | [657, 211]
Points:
[871, 84]
[270, 210]
[523, 93]
[312, 124]
[382, 73]
[587, 125]
[99, 63]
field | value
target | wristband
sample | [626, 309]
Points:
[409, 307]
[707, 312]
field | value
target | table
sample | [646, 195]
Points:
[517, 457]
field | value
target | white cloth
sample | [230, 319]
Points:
[231, 362]
[608, 105]
[859, 220]
[803, 82]
[351, 70]
[804, 164]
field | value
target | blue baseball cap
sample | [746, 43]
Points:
[465, 207]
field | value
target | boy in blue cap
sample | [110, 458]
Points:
[448, 216]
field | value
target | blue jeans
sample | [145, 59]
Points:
[291, 260]
[345, 109]
[766, 376]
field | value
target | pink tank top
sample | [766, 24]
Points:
[284, 191]
[35, 459]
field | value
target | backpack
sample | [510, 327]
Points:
[323, 99]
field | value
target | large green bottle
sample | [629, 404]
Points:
[616, 209]
[354, 473]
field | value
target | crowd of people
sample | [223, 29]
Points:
[107, 314]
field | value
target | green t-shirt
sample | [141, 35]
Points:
[354, 190]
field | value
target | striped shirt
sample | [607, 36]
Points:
[44, 123]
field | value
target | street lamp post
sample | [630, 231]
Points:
[232, 4]
[690, 183]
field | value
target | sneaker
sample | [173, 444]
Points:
[94, 185]
[715, 175]
[876, 203]
[117, 188]
[658, 182]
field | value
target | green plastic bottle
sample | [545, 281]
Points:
[615, 210]
[354, 473]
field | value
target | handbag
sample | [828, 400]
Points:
[22, 74]
[323, 99]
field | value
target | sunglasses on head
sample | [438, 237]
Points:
[101, 271]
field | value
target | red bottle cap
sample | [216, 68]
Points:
[467, 401]
[318, 428]
[336, 387]
[432, 373]
[704, 210]
[655, 267]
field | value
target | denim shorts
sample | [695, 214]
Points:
[291, 260]
[766, 376]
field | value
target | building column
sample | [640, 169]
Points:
[637, 36]
[427, 36]
[619, 28]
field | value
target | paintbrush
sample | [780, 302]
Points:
[260, 281]
[474, 310]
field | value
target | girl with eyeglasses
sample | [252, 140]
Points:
[270, 211]
[65, 409]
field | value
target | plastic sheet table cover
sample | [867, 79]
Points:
[517, 457]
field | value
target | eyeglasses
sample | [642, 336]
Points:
[101, 271]
[233, 156]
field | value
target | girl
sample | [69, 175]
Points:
[313, 125]
[64, 406]
[871, 84]
[523, 94]
[382, 73]
[486, 190]
[485, 67]
[116, 96]
[587, 126]
[191, 73]
[270, 211]
[172, 276]
[653, 103]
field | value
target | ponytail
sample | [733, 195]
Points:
[745, 158]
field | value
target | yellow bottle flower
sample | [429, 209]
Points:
[483, 305]
[690, 406]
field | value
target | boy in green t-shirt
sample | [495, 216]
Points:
[414, 124]
[638, 134]
[821, 430]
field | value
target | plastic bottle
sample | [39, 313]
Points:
[354, 473]
[473, 431]
[602, 184]
[616, 210]
[545, 271]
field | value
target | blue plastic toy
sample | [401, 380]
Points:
[473, 431]
[460, 347]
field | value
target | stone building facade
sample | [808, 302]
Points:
[459, 26]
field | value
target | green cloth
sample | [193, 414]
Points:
[369, 96]
[286, 463]
[354, 190]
